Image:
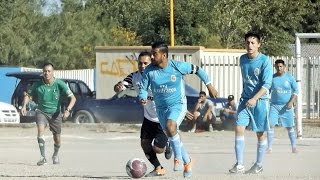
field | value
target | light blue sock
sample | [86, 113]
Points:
[185, 155]
[270, 137]
[292, 136]
[176, 146]
[239, 148]
[261, 149]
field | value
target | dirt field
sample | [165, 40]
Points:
[100, 151]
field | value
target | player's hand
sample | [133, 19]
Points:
[212, 91]
[289, 105]
[118, 87]
[143, 102]
[65, 116]
[23, 111]
[189, 116]
[251, 103]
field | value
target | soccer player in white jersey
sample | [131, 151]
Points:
[165, 78]
[284, 91]
[256, 71]
[151, 131]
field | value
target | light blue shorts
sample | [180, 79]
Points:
[175, 113]
[281, 113]
[256, 117]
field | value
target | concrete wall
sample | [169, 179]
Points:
[114, 63]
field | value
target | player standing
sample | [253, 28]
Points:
[256, 71]
[284, 91]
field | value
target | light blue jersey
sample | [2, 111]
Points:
[281, 91]
[282, 88]
[168, 89]
[256, 74]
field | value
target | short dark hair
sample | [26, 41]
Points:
[278, 61]
[203, 93]
[252, 34]
[230, 97]
[144, 53]
[47, 64]
[163, 47]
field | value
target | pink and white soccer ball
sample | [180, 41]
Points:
[136, 168]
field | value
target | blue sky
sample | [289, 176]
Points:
[51, 3]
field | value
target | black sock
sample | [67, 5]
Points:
[152, 157]
[56, 149]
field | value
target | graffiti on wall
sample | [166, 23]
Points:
[119, 66]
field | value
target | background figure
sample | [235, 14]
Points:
[203, 114]
[48, 94]
[284, 91]
[256, 71]
[165, 77]
[228, 114]
[153, 138]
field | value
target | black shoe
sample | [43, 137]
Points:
[168, 151]
[255, 169]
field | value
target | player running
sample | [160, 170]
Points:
[165, 78]
[153, 139]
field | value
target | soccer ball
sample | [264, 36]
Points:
[136, 168]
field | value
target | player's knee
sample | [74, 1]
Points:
[157, 149]
[146, 145]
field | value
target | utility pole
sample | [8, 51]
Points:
[171, 24]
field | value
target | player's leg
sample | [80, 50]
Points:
[211, 120]
[55, 124]
[147, 136]
[260, 118]
[273, 120]
[41, 121]
[175, 117]
[241, 122]
[193, 123]
[288, 122]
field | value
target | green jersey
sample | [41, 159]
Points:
[49, 97]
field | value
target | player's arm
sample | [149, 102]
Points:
[26, 99]
[266, 83]
[125, 83]
[294, 95]
[189, 68]
[72, 99]
[143, 88]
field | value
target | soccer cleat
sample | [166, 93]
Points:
[255, 169]
[168, 151]
[237, 169]
[42, 161]
[187, 172]
[294, 150]
[157, 172]
[55, 160]
[177, 166]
